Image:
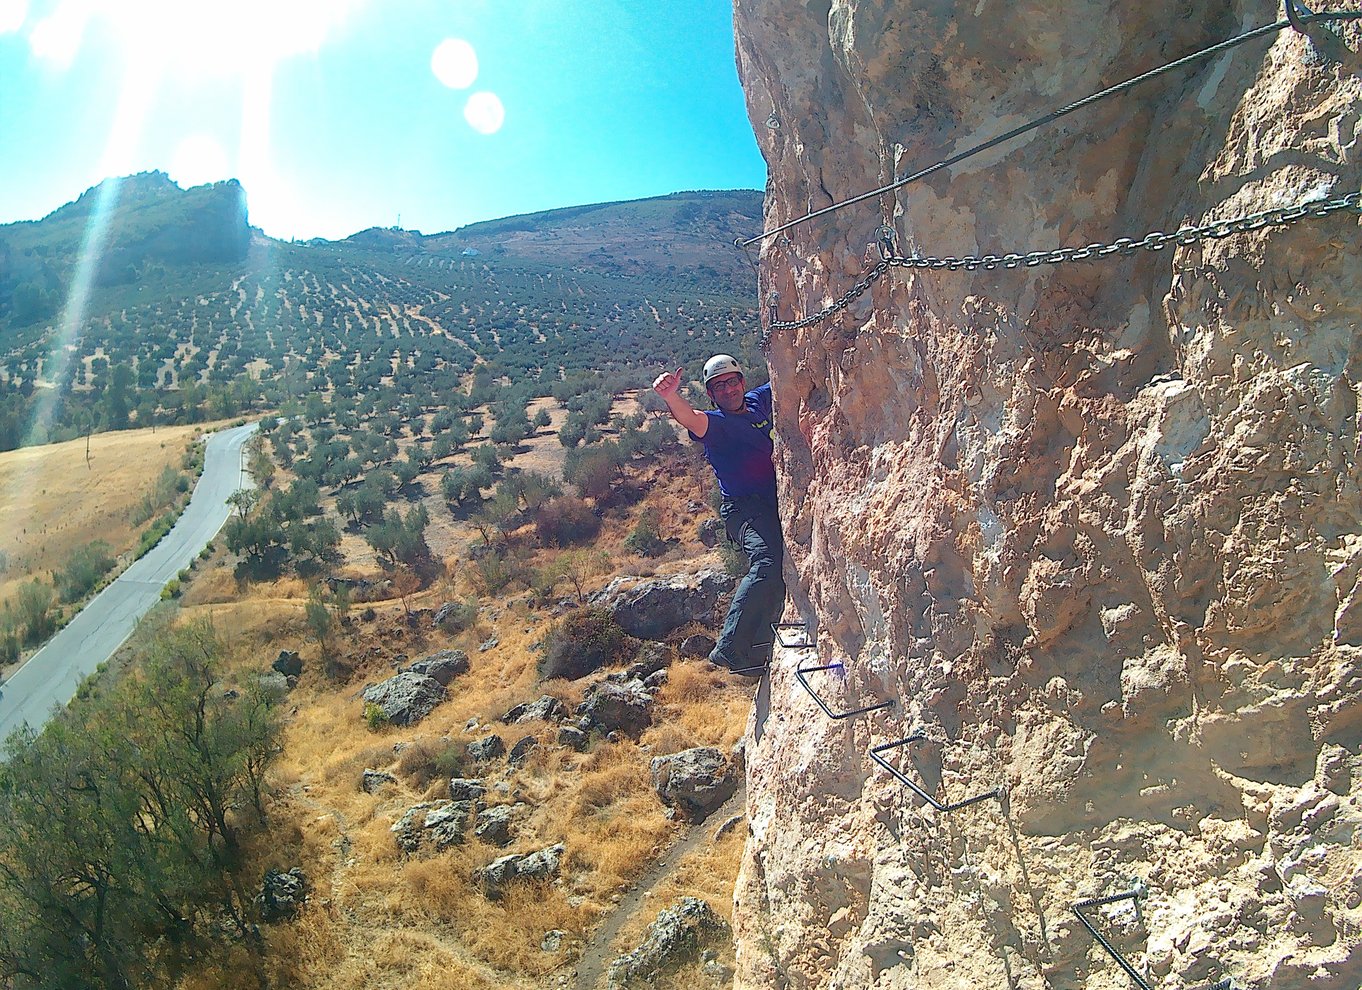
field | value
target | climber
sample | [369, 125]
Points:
[736, 435]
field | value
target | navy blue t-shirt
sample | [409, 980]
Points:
[738, 446]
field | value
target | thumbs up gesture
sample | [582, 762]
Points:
[667, 383]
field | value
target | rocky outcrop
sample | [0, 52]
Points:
[652, 609]
[439, 824]
[544, 709]
[693, 782]
[608, 707]
[672, 940]
[1093, 526]
[405, 698]
[443, 666]
[541, 865]
[282, 893]
[288, 663]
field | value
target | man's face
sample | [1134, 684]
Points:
[727, 391]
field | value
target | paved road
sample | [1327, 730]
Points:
[51, 676]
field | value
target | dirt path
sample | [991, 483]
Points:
[599, 952]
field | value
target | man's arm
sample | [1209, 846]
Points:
[668, 386]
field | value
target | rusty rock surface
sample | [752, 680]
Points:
[1096, 527]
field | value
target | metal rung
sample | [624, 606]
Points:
[780, 628]
[875, 752]
[756, 666]
[800, 673]
[1130, 895]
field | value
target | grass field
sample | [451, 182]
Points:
[53, 500]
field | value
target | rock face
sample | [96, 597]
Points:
[1093, 525]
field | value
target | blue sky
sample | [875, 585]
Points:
[338, 115]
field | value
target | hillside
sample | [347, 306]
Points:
[191, 315]
[455, 460]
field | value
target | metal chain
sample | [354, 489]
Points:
[1155, 240]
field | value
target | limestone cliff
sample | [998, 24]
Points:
[1096, 527]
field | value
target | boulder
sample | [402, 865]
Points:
[694, 782]
[545, 709]
[443, 666]
[465, 789]
[374, 780]
[276, 684]
[281, 894]
[444, 826]
[710, 531]
[616, 707]
[486, 748]
[652, 657]
[496, 825]
[405, 698]
[654, 608]
[521, 751]
[539, 865]
[572, 738]
[698, 645]
[288, 663]
[440, 823]
[673, 940]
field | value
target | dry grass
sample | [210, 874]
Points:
[709, 873]
[51, 502]
[377, 918]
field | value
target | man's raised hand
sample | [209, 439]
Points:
[667, 383]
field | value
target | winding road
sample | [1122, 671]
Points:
[51, 676]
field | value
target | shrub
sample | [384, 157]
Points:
[425, 761]
[494, 571]
[583, 641]
[644, 539]
[375, 717]
[734, 560]
[458, 616]
[565, 520]
[84, 569]
[171, 590]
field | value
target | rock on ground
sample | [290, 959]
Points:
[652, 609]
[443, 666]
[611, 707]
[694, 782]
[673, 940]
[405, 698]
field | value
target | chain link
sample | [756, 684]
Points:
[1155, 240]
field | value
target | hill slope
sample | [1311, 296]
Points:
[191, 314]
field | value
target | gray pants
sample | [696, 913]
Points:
[754, 525]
